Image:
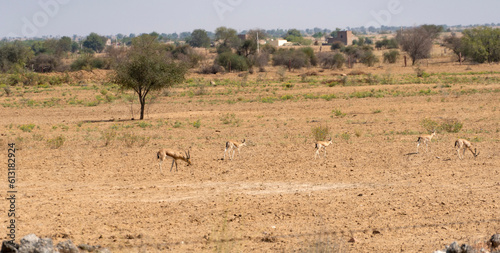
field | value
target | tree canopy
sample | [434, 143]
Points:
[95, 42]
[199, 38]
[482, 44]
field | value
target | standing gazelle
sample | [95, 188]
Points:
[163, 153]
[321, 145]
[425, 139]
[231, 145]
[465, 144]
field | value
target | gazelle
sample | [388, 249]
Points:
[163, 153]
[465, 144]
[425, 139]
[321, 145]
[231, 145]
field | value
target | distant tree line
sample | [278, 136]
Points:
[480, 44]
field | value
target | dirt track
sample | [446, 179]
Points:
[274, 196]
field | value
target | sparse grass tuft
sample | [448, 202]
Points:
[27, 127]
[108, 136]
[230, 119]
[37, 137]
[197, 124]
[346, 136]
[144, 124]
[130, 139]
[429, 125]
[56, 142]
[338, 113]
[451, 126]
[177, 124]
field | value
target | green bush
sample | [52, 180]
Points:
[330, 60]
[295, 59]
[44, 63]
[391, 56]
[309, 51]
[232, 61]
[369, 58]
[337, 45]
[89, 62]
[482, 44]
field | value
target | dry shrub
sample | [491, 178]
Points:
[320, 133]
[56, 142]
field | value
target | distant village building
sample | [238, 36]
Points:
[345, 37]
[243, 36]
[278, 43]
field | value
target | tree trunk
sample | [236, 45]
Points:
[143, 105]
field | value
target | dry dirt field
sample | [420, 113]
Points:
[103, 185]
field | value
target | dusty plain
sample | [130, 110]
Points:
[371, 193]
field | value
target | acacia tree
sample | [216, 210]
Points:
[417, 42]
[455, 44]
[148, 68]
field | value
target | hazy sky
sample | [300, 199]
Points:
[32, 18]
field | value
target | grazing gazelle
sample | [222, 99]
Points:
[465, 144]
[425, 139]
[163, 153]
[321, 145]
[231, 145]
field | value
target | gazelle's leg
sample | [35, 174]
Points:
[463, 154]
[418, 144]
[173, 161]
[316, 153]
[325, 151]
[224, 154]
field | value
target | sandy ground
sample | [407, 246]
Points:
[274, 196]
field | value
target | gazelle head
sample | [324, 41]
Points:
[243, 143]
[188, 157]
[475, 153]
[330, 141]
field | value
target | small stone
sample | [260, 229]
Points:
[495, 240]
[67, 247]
